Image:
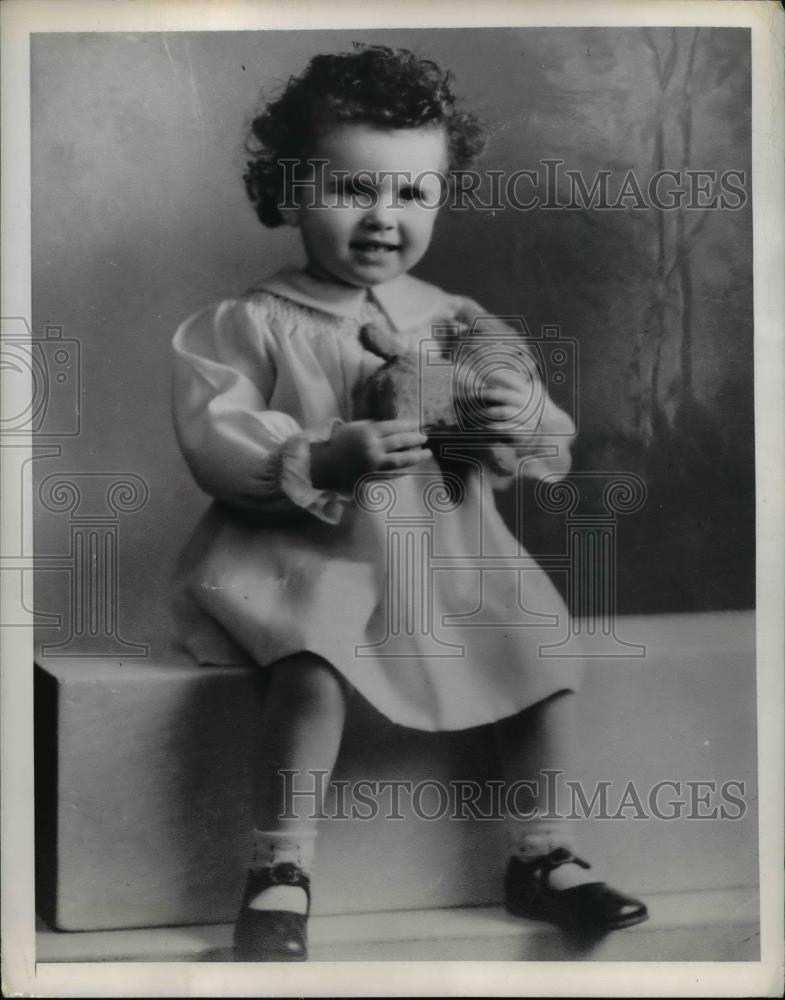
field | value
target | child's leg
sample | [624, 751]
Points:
[538, 739]
[301, 728]
[544, 879]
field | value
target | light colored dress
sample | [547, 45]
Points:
[413, 588]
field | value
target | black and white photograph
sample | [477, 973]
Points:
[392, 461]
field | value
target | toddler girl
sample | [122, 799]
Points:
[290, 565]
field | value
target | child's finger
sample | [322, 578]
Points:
[404, 459]
[501, 397]
[511, 377]
[384, 428]
[402, 442]
[501, 414]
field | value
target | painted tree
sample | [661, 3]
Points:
[660, 300]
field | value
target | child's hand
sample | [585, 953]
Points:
[355, 449]
[505, 403]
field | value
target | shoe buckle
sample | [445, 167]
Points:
[285, 874]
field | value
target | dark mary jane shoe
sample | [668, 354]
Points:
[591, 907]
[272, 935]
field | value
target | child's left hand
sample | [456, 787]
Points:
[503, 400]
[503, 403]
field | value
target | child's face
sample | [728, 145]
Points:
[379, 217]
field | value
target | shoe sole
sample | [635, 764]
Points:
[618, 925]
[242, 957]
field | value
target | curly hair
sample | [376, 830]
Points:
[374, 85]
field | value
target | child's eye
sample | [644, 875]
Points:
[412, 193]
[355, 187]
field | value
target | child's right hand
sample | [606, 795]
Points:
[364, 446]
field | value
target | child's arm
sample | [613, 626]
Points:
[246, 454]
[366, 446]
[238, 449]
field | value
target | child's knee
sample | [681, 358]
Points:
[306, 683]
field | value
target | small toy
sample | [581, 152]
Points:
[443, 394]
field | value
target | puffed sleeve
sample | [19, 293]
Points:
[546, 444]
[238, 449]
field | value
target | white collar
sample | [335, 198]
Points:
[406, 301]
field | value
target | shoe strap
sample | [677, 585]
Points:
[541, 867]
[285, 873]
[564, 856]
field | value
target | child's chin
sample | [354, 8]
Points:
[362, 275]
[364, 281]
[375, 276]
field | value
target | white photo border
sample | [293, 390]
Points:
[21, 974]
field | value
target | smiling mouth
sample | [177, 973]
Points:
[374, 246]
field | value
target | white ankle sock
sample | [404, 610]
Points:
[275, 847]
[532, 838]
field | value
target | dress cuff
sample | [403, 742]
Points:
[295, 476]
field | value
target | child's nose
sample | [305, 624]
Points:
[378, 218]
[377, 223]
